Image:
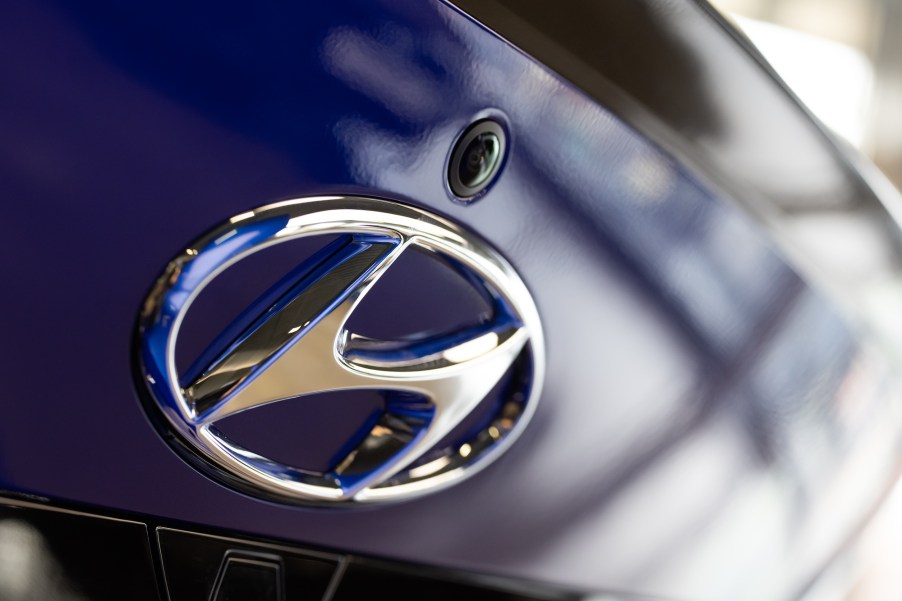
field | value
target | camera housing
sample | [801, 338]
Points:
[476, 158]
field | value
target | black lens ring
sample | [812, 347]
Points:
[462, 148]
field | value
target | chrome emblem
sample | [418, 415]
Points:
[298, 345]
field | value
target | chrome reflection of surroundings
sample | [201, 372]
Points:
[297, 344]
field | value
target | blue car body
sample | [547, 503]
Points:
[712, 425]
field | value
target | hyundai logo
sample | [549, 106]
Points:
[298, 344]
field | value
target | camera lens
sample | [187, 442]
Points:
[476, 158]
[479, 159]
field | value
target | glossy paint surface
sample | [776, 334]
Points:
[709, 426]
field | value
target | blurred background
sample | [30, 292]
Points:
[843, 59]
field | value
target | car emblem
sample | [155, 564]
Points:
[297, 344]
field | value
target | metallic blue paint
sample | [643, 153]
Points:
[703, 404]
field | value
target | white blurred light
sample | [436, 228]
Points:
[834, 80]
